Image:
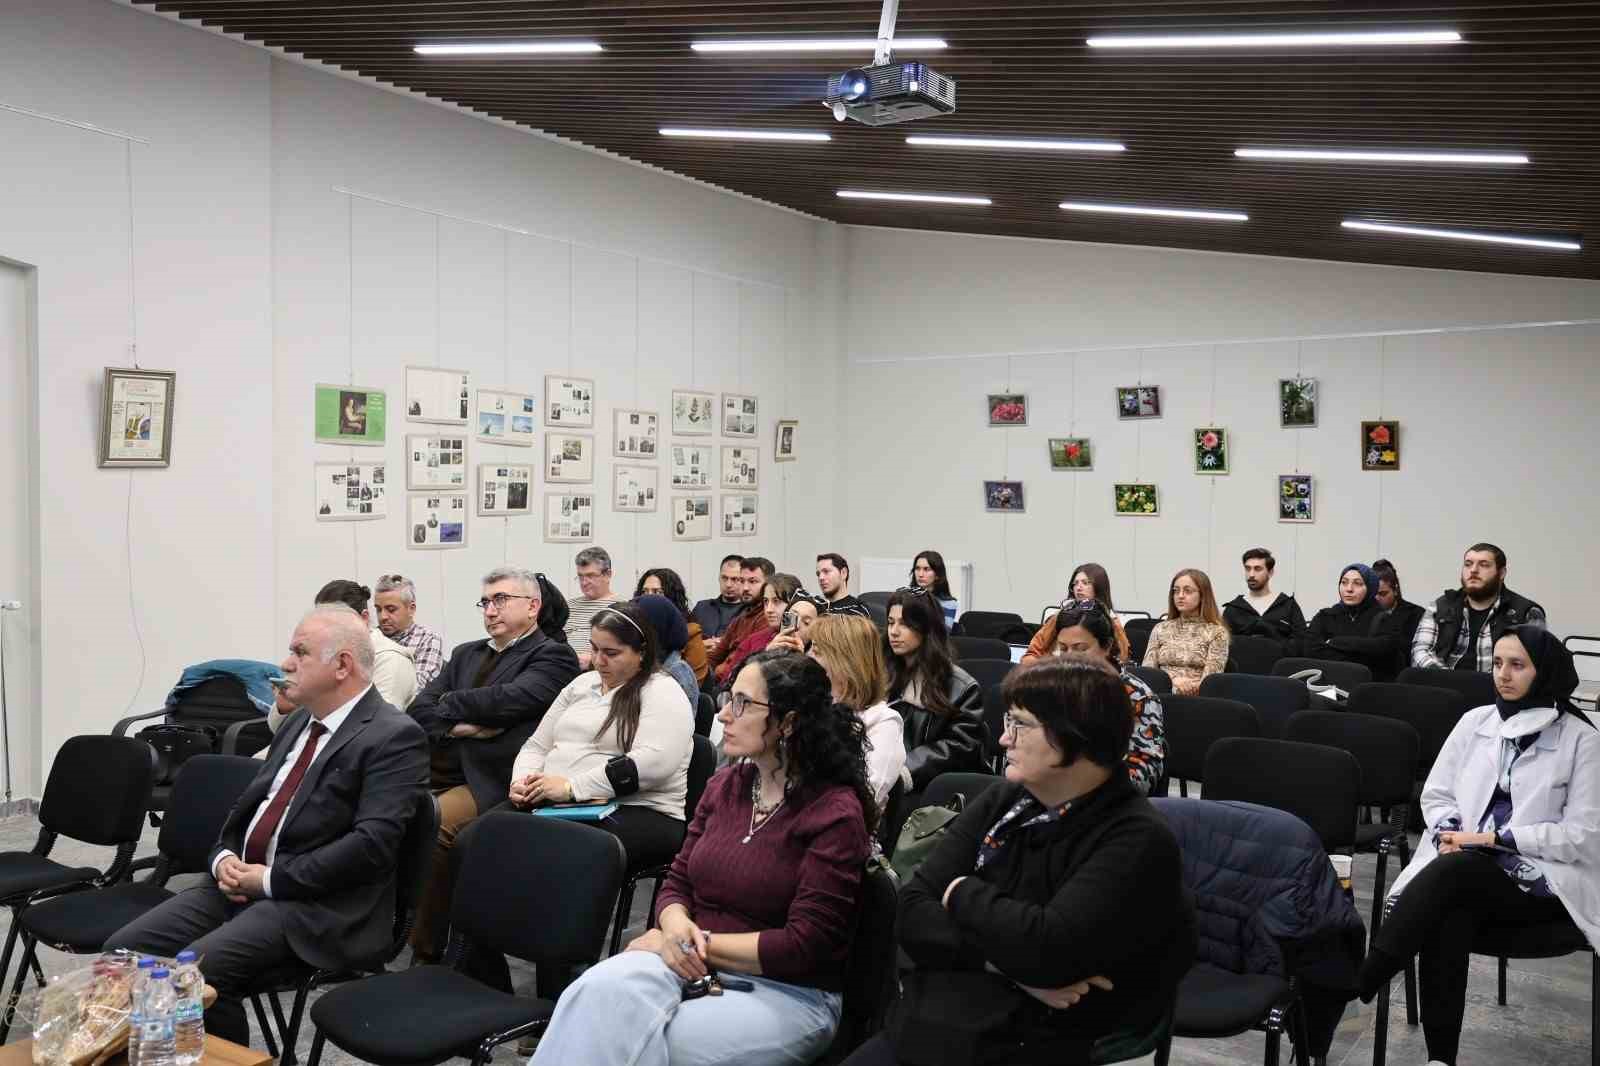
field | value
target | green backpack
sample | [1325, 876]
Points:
[922, 832]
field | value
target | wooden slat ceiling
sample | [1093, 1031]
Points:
[1526, 78]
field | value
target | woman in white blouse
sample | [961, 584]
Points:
[622, 733]
[850, 650]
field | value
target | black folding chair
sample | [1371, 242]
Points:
[1274, 698]
[702, 764]
[1138, 633]
[1192, 724]
[705, 711]
[517, 872]
[988, 672]
[1387, 752]
[1319, 785]
[994, 714]
[98, 792]
[1432, 712]
[1159, 680]
[410, 879]
[80, 922]
[1328, 671]
[987, 623]
[944, 788]
[1475, 689]
[869, 973]
[969, 647]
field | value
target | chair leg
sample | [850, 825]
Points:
[267, 1035]
[1380, 1027]
[1594, 1010]
[30, 950]
[1271, 1056]
[1164, 1051]
[619, 921]
[1500, 991]
[318, 1038]
[291, 1036]
[11, 943]
[1379, 878]
[1411, 991]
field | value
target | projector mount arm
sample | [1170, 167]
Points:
[886, 21]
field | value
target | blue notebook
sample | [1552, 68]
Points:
[578, 812]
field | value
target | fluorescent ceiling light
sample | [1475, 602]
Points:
[744, 135]
[915, 197]
[1463, 235]
[1355, 155]
[509, 48]
[1273, 40]
[1157, 212]
[1028, 144]
[820, 44]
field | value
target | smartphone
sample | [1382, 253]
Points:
[789, 621]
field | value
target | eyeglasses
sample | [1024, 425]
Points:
[1014, 726]
[498, 601]
[738, 703]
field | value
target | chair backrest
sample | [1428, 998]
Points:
[415, 864]
[203, 794]
[1432, 711]
[987, 672]
[1319, 785]
[99, 789]
[702, 764]
[942, 789]
[1346, 675]
[987, 623]
[876, 599]
[1159, 680]
[1475, 688]
[1138, 631]
[1385, 748]
[994, 713]
[969, 647]
[869, 976]
[519, 870]
[1274, 698]
[1254, 655]
[705, 710]
[1193, 723]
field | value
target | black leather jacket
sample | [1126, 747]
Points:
[936, 744]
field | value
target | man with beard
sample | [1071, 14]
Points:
[1459, 630]
[753, 574]
[1260, 612]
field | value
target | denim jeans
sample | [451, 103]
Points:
[629, 1011]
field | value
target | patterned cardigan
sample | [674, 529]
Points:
[1188, 650]
[1147, 748]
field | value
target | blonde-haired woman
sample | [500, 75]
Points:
[851, 651]
[1191, 642]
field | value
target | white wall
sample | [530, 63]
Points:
[18, 547]
[1494, 425]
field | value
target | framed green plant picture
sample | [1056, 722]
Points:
[1139, 500]
[1211, 450]
[1297, 403]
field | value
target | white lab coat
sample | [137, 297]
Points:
[1555, 804]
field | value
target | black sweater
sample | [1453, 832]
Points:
[1098, 892]
[1364, 635]
[1283, 621]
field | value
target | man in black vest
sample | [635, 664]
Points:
[1459, 630]
[478, 712]
[1260, 613]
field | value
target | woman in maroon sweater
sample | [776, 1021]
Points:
[763, 894]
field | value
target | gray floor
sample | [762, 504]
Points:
[1546, 1021]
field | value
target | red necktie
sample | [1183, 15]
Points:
[255, 849]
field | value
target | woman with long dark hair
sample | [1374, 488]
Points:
[1089, 582]
[928, 572]
[663, 581]
[762, 894]
[942, 704]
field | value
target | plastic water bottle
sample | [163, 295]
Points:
[156, 1046]
[141, 986]
[189, 1019]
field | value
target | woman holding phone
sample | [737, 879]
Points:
[775, 596]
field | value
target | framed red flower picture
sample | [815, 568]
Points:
[1380, 445]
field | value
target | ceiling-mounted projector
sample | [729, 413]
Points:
[887, 93]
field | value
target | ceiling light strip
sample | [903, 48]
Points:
[819, 44]
[1463, 235]
[1022, 143]
[1367, 155]
[1156, 212]
[1274, 40]
[915, 197]
[743, 135]
[510, 48]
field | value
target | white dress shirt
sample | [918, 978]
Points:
[332, 722]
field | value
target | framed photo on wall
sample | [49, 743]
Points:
[1137, 500]
[693, 413]
[435, 462]
[738, 415]
[691, 518]
[436, 521]
[569, 402]
[741, 466]
[1380, 446]
[691, 465]
[1008, 409]
[506, 417]
[1297, 403]
[1139, 401]
[569, 457]
[505, 489]
[569, 516]
[638, 435]
[1071, 453]
[1003, 497]
[349, 414]
[1297, 498]
[783, 448]
[1211, 450]
[136, 417]
[739, 515]
[633, 487]
[436, 395]
[352, 492]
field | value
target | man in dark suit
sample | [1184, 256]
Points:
[304, 868]
[478, 712]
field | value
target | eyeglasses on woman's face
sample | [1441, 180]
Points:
[738, 703]
[1015, 727]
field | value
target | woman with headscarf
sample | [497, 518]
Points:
[1512, 806]
[1356, 629]
[672, 635]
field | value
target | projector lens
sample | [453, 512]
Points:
[853, 84]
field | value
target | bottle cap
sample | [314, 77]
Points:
[146, 963]
[186, 956]
[160, 973]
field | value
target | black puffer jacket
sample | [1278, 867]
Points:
[1267, 902]
[937, 744]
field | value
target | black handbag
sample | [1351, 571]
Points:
[174, 744]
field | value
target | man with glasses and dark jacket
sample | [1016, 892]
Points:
[485, 703]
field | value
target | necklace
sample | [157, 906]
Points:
[757, 810]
